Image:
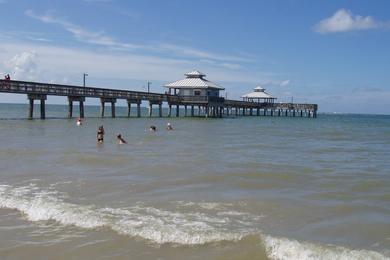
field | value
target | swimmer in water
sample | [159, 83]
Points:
[120, 139]
[169, 126]
[152, 128]
[100, 134]
[79, 122]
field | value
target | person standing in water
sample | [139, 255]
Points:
[100, 134]
[169, 126]
[120, 139]
[79, 122]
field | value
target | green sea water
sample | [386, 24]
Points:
[230, 188]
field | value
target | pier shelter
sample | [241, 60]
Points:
[196, 91]
[194, 84]
[259, 95]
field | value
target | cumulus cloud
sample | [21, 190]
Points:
[23, 66]
[344, 20]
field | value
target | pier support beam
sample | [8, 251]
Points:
[33, 97]
[31, 108]
[150, 109]
[192, 111]
[315, 111]
[185, 110]
[79, 99]
[177, 111]
[169, 110]
[102, 106]
[70, 109]
[132, 101]
[160, 109]
[43, 115]
[113, 109]
[139, 109]
[128, 109]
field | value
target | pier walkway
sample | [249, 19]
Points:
[193, 105]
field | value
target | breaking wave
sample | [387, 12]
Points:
[163, 226]
[157, 225]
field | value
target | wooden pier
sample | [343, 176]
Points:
[204, 106]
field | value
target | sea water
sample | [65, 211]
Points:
[231, 188]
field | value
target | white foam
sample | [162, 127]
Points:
[156, 225]
[163, 226]
[282, 248]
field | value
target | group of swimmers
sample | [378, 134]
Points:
[100, 132]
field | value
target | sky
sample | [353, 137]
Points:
[334, 53]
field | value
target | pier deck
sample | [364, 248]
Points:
[204, 106]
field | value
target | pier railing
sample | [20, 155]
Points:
[24, 87]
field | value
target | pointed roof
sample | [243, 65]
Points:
[194, 79]
[259, 92]
[259, 88]
[195, 74]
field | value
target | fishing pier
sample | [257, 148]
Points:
[194, 105]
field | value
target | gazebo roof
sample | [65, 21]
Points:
[195, 74]
[194, 79]
[258, 93]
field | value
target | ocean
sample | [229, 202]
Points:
[231, 188]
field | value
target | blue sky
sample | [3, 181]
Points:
[334, 53]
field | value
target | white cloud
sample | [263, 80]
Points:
[81, 34]
[23, 66]
[102, 39]
[344, 20]
[56, 63]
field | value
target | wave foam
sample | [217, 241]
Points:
[282, 248]
[162, 226]
[156, 225]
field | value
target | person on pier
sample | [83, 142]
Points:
[100, 134]
[120, 139]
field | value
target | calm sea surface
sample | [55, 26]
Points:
[232, 188]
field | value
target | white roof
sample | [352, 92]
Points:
[258, 92]
[195, 74]
[259, 88]
[194, 79]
